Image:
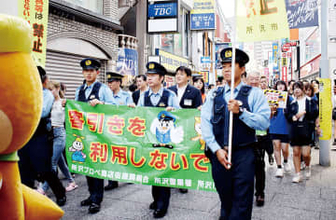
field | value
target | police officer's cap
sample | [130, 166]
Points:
[155, 68]
[90, 64]
[112, 76]
[166, 116]
[241, 57]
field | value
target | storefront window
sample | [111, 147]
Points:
[92, 5]
[313, 45]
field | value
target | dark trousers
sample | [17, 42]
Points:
[35, 164]
[96, 189]
[161, 196]
[235, 186]
[260, 174]
[268, 145]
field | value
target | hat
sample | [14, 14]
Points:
[155, 68]
[90, 64]
[111, 76]
[241, 57]
[166, 116]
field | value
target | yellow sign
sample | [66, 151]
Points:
[36, 13]
[261, 20]
[170, 61]
[325, 109]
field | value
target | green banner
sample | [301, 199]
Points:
[139, 145]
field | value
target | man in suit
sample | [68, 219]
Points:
[141, 82]
[188, 96]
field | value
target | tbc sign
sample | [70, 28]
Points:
[162, 10]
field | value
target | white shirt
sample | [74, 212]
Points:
[57, 114]
[180, 92]
[302, 106]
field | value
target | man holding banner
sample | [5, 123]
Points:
[157, 96]
[94, 93]
[234, 180]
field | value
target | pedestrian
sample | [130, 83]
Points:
[269, 148]
[198, 82]
[57, 123]
[279, 133]
[187, 95]
[121, 97]
[234, 181]
[302, 113]
[35, 156]
[263, 142]
[95, 93]
[157, 96]
[141, 82]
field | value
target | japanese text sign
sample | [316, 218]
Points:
[261, 20]
[301, 14]
[202, 17]
[139, 145]
[276, 97]
[36, 13]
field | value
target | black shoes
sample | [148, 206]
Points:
[152, 206]
[183, 190]
[86, 202]
[61, 201]
[271, 159]
[111, 185]
[94, 208]
[260, 200]
[159, 213]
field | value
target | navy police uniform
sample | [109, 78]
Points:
[86, 93]
[235, 186]
[163, 98]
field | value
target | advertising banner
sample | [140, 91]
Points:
[139, 145]
[36, 13]
[127, 63]
[276, 97]
[202, 17]
[170, 61]
[301, 14]
[325, 109]
[261, 20]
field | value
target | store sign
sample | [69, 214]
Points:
[159, 10]
[285, 47]
[202, 17]
[284, 73]
[127, 63]
[218, 48]
[311, 67]
[170, 61]
[205, 76]
[301, 14]
[162, 16]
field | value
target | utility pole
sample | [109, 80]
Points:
[324, 64]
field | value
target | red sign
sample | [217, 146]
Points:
[293, 43]
[284, 73]
[286, 47]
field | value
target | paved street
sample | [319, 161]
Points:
[313, 199]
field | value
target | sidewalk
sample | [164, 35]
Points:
[313, 199]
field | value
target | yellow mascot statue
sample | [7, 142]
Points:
[20, 110]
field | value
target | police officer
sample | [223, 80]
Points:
[120, 97]
[157, 96]
[188, 96]
[35, 156]
[94, 93]
[234, 181]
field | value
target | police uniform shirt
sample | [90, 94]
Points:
[257, 119]
[48, 100]
[155, 98]
[105, 93]
[122, 98]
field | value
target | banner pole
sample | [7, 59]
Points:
[233, 64]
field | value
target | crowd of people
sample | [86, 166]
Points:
[266, 128]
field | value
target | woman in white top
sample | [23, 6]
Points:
[57, 122]
[302, 113]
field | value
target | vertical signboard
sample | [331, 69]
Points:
[127, 63]
[162, 16]
[275, 50]
[202, 17]
[36, 13]
[325, 109]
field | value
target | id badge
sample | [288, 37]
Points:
[187, 102]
